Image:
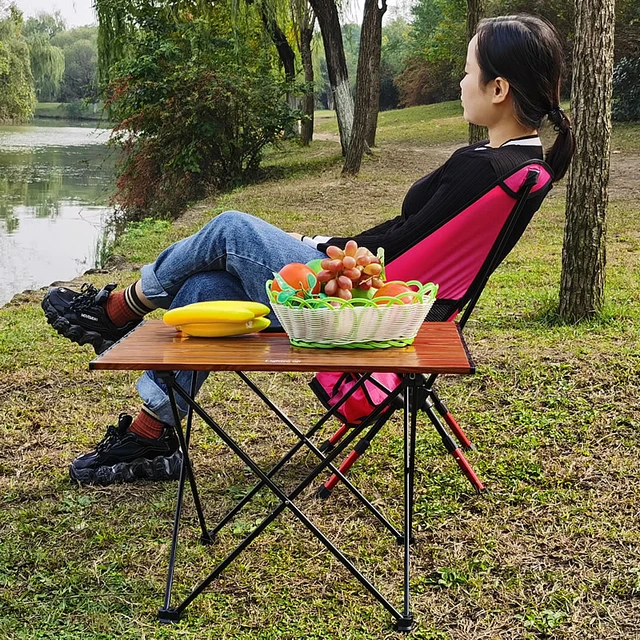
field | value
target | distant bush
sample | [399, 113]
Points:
[626, 90]
[424, 82]
[76, 109]
[194, 113]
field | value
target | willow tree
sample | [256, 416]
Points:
[117, 20]
[47, 66]
[17, 96]
[584, 249]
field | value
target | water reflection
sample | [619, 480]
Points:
[54, 186]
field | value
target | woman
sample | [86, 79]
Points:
[511, 83]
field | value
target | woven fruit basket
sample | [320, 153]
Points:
[328, 322]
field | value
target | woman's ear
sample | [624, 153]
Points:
[501, 90]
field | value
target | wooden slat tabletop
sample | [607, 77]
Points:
[438, 348]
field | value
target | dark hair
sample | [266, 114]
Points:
[526, 51]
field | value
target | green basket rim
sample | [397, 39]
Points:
[369, 344]
[426, 293]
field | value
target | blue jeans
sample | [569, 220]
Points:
[230, 258]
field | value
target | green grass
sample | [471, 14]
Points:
[442, 122]
[426, 125]
[552, 550]
[60, 111]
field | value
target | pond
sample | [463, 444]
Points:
[55, 182]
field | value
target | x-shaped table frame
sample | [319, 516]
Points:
[154, 346]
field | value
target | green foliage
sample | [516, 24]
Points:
[44, 24]
[438, 42]
[435, 53]
[80, 75]
[117, 20]
[80, 47]
[65, 39]
[446, 578]
[393, 56]
[17, 97]
[196, 108]
[47, 66]
[395, 49]
[47, 59]
[426, 82]
[63, 63]
[439, 31]
[544, 621]
[626, 90]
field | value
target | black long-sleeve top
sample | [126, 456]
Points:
[442, 194]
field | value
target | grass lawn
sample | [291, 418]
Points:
[61, 111]
[552, 550]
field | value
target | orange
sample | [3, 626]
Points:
[394, 289]
[296, 275]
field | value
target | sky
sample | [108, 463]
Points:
[76, 13]
[80, 12]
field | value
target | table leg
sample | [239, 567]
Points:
[286, 501]
[166, 613]
[252, 492]
[304, 439]
[406, 623]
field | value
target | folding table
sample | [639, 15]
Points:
[438, 348]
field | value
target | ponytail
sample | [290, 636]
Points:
[559, 155]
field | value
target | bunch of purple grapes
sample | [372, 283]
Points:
[352, 268]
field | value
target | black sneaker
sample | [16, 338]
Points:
[123, 456]
[82, 318]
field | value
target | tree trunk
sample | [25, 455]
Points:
[583, 252]
[374, 104]
[327, 14]
[368, 62]
[287, 58]
[475, 12]
[306, 35]
[285, 51]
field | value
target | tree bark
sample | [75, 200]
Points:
[584, 249]
[327, 14]
[475, 12]
[306, 35]
[368, 62]
[285, 51]
[374, 104]
[287, 58]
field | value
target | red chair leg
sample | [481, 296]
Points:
[457, 431]
[451, 421]
[468, 471]
[453, 449]
[329, 444]
[325, 490]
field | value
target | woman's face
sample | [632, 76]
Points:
[476, 99]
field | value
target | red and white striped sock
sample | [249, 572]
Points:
[147, 425]
[125, 305]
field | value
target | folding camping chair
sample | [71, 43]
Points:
[459, 256]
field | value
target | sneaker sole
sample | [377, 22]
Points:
[158, 469]
[74, 332]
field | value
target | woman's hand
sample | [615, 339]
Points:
[297, 236]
